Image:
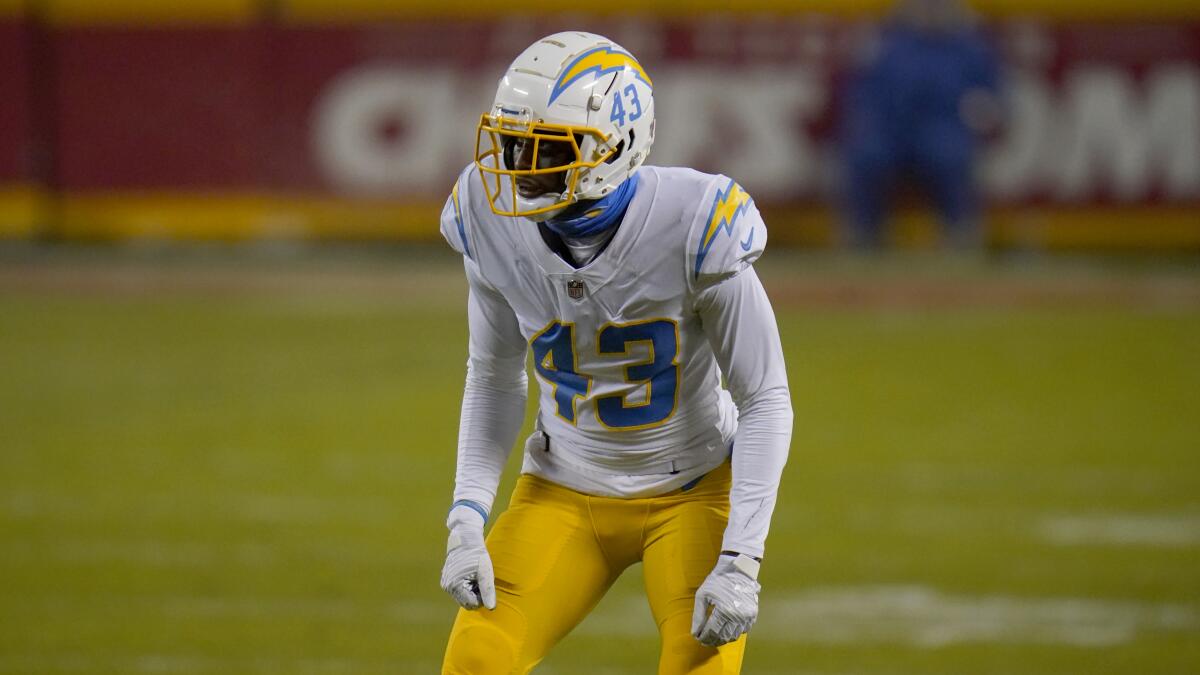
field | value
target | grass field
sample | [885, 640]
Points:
[241, 465]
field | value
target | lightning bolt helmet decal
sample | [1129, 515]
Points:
[600, 60]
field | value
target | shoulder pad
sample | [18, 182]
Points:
[727, 236]
[454, 217]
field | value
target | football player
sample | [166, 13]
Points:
[633, 289]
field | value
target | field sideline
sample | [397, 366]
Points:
[239, 461]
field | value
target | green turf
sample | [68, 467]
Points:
[207, 482]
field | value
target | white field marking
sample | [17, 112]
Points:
[178, 663]
[405, 613]
[258, 608]
[236, 465]
[926, 618]
[1181, 530]
[195, 663]
[925, 477]
[424, 612]
[171, 553]
[58, 663]
[239, 506]
[146, 553]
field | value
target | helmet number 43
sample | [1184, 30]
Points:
[618, 107]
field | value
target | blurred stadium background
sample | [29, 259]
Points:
[232, 346]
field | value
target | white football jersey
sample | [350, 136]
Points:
[630, 390]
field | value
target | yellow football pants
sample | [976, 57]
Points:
[555, 553]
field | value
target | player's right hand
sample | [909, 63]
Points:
[467, 574]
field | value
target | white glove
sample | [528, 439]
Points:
[467, 574]
[731, 591]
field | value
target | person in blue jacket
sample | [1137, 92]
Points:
[923, 90]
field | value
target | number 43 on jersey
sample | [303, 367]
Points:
[556, 361]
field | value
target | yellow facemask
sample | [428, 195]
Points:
[499, 174]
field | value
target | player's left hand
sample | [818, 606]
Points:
[727, 601]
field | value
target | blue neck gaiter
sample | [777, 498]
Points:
[591, 218]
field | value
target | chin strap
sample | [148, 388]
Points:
[590, 218]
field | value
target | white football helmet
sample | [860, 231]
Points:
[572, 119]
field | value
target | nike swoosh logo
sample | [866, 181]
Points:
[749, 241]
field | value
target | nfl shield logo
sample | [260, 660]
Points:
[575, 289]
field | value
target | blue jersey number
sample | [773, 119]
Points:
[659, 374]
[554, 359]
